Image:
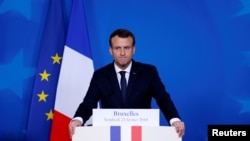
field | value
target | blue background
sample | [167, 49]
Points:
[200, 47]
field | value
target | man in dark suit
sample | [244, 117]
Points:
[142, 80]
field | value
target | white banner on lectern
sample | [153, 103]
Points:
[126, 117]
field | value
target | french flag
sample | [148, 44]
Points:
[75, 74]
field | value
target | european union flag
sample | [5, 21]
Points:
[43, 98]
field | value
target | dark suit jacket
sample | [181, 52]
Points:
[144, 84]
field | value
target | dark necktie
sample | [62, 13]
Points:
[123, 84]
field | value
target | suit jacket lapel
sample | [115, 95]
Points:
[114, 83]
[132, 80]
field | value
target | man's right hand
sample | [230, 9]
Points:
[72, 125]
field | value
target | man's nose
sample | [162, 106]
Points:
[122, 51]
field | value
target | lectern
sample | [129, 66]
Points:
[126, 125]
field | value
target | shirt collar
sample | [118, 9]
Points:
[117, 69]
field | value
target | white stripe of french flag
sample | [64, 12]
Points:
[75, 75]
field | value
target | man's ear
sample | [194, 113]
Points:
[134, 49]
[110, 51]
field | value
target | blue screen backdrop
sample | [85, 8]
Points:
[200, 47]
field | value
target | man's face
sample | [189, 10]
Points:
[122, 50]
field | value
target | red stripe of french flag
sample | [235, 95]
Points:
[136, 133]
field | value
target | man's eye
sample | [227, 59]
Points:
[127, 48]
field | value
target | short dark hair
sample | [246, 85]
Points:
[123, 33]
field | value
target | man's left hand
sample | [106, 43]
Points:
[180, 127]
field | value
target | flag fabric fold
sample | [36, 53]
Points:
[49, 63]
[75, 74]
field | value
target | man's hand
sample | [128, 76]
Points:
[72, 125]
[180, 127]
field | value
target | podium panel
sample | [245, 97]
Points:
[91, 133]
[126, 133]
[160, 133]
